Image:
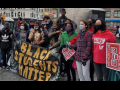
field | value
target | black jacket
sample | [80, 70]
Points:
[6, 40]
[61, 21]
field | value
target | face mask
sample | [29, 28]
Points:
[6, 26]
[68, 29]
[22, 27]
[98, 27]
[31, 26]
[89, 23]
[81, 27]
[35, 28]
[119, 31]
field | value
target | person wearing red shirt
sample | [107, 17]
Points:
[101, 36]
[91, 23]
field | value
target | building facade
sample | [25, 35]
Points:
[112, 17]
[28, 13]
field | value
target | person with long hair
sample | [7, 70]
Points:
[83, 53]
[68, 35]
[22, 32]
[100, 37]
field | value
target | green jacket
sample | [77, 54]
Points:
[66, 38]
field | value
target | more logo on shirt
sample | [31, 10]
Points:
[5, 37]
[99, 41]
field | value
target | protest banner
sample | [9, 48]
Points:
[113, 56]
[34, 62]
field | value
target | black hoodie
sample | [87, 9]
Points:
[61, 21]
[6, 41]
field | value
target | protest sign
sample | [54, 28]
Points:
[34, 62]
[68, 53]
[113, 56]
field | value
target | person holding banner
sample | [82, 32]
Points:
[83, 54]
[66, 37]
[101, 36]
[36, 35]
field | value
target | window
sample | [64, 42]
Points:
[21, 14]
[4, 13]
[107, 14]
[117, 14]
[11, 14]
[32, 14]
[15, 14]
[41, 10]
[18, 14]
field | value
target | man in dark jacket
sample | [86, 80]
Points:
[6, 43]
[62, 19]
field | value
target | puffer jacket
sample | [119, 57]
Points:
[36, 37]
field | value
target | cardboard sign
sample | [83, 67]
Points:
[35, 63]
[113, 56]
[68, 53]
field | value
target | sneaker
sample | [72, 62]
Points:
[8, 68]
[3, 67]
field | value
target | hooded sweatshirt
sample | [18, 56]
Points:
[99, 45]
[6, 41]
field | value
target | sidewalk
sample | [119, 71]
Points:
[11, 76]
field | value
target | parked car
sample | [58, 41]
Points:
[112, 28]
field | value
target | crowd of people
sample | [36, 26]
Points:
[90, 44]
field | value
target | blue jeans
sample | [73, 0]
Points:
[5, 52]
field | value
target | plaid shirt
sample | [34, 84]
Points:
[84, 47]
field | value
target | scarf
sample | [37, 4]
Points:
[18, 24]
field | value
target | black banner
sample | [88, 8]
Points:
[35, 63]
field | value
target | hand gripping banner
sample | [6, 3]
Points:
[35, 63]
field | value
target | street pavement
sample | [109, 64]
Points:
[7, 75]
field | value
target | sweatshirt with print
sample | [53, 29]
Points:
[99, 45]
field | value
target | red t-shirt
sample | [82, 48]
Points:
[99, 45]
